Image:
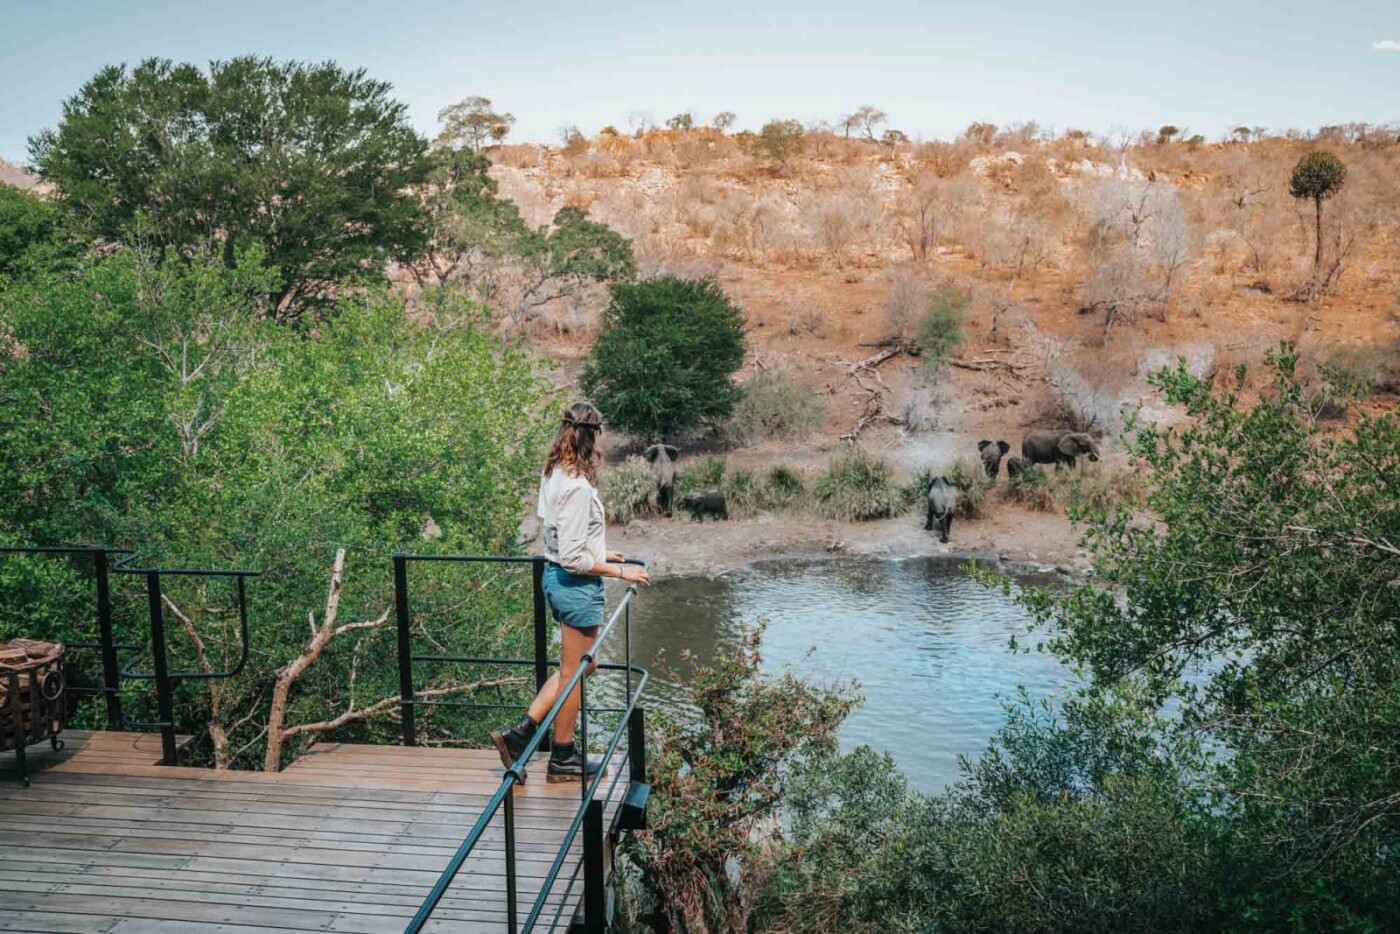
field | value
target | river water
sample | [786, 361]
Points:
[928, 645]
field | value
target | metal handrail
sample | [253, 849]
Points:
[503, 798]
[166, 681]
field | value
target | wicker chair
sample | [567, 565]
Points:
[32, 684]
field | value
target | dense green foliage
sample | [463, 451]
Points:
[310, 162]
[718, 780]
[33, 233]
[665, 359]
[146, 405]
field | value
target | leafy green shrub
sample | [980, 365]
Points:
[743, 495]
[773, 405]
[857, 487]
[780, 140]
[628, 490]
[665, 359]
[1032, 489]
[785, 486]
[707, 473]
[940, 331]
[974, 486]
[1081, 490]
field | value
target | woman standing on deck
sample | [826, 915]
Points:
[572, 524]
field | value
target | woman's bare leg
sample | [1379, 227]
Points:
[575, 643]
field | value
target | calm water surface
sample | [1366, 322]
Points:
[928, 645]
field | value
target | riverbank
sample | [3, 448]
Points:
[1012, 536]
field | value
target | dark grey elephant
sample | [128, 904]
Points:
[942, 502]
[1014, 467]
[709, 503]
[662, 458]
[992, 453]
[1052, 446]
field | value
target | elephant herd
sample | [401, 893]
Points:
[1039, 446]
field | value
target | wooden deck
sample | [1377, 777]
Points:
[348, 838]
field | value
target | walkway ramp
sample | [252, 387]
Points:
[347, 838]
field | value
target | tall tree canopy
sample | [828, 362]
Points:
[312, 162]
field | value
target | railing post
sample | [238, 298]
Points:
[595, 904]
[637, 745]
[410, 736]
[541, 623]
[511, 923]
[110, 673]
[165, 704]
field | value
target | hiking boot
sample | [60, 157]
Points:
[512, 740]
[566, 764]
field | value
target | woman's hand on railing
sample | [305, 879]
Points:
[634, 574]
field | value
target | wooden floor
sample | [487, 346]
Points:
[347, 838]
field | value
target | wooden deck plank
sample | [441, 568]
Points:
[349, 838]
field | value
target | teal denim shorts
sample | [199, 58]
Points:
[576, 600]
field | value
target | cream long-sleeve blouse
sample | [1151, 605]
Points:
[572, 522]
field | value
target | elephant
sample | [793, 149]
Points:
[942, 501]
[710, 503]
[1014, 466]
[1053, 446]
[991, 456]
[662, 458]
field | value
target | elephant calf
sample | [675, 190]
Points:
[1047, 446]
[1014, 467]
[942, 501]
[991, 456]
[700, 505]
[662, 458]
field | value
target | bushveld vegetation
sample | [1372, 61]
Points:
[1231, 766]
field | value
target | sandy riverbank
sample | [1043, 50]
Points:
[1011, 536]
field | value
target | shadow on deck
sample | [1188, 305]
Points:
[347, 838]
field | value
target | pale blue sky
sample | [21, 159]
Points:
[935, 67]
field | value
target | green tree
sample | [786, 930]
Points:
[665, 360]
[312, 162]
[940, 331]
[718, 783]
[472, 123]
[681, 121]
[470, 230]
[724, 120]
[781, 140]
[34, 233]
[1318, 175]
[558, 264]
[146, 405]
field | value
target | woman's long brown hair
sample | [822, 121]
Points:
[574, 445]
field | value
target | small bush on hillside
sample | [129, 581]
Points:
[1081, 490]
[940, 331]
[774, 405]
[974, 486]
[628, 490]
[1032, 489]
[781, 140]
[743, 495]
[785, 485]
[707, 473]
[858, 487]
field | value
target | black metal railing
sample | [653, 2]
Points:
[166, 682]
[588, 817]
